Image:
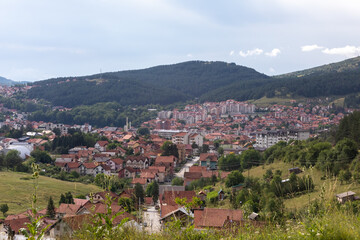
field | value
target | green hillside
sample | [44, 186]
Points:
[17, 188]
[158, 85]
[207, 81]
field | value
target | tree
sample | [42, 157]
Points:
[169, 149]
[143, 131]
[127, 204]
[194, 145]
[155, 193]
[234, 178]
[62, 199]
[345, 175]
[139, 193]
[57, 131]
[149, 189]
[229, 162]
[41, 156]
[50, 210]
[205, 148]
[100, 180]
[177, 181]
[69, 198]
[4, 208]
[220, 150]
[12, 159]
[250, 158]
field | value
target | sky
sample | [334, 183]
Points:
[41, 39]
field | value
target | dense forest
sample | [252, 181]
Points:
[206, 81]
[157, 85]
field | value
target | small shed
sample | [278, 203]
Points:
[237, 188]
[221, 195]
[253, 216]
[346, 196]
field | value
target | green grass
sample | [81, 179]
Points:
[339, 102]
[17, 188]
[331, 186]
[264, 101]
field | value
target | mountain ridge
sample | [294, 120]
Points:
[203, 80]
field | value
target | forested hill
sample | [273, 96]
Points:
[208, 81]
[347, 65]
[157, 85]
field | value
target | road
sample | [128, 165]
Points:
[152, 219]
[186, 167]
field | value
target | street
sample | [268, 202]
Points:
[152, 219]
[186, 167]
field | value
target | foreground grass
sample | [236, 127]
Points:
[17, 188]
[332, 224]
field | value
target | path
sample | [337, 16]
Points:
[186, 167]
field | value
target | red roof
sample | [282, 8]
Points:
[73, 165]
[213, 217]
[169, 196]
[117, 161]
[90, 165]
[103, 143]
[142, 181]
[69, 209]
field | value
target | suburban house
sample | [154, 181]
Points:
[93, 169]
[208, 160]
[76, 167]
[115, 164]
[216, 218]
[139, 162]
[101, 145]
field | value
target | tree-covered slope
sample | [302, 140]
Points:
[157, 85]
[208, 81]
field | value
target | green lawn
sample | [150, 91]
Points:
[16, 190]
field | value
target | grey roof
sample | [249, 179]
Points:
[253, 216]
[345, 194]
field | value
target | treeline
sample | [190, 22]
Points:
[208, 81]
[158, 85]
[62, 144]
[99, 115]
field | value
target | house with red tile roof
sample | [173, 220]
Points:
[216, 218]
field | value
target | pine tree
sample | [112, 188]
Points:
[69, 198]
[62, 199]
[155, 192]
[50, 210]
[139, 193]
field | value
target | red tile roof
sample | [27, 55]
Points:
[213, 217]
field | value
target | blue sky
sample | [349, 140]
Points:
[40, 39]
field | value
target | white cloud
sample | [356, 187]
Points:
[309, 48]
[231, 52]
[256, 51]
[272, 70]
[273, 52]
[189, 55]
[348, 51]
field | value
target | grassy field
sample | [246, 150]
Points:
[264, 101]
[16, 190]
[330, 187]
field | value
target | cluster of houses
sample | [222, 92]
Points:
[144, 166]
[68, 217]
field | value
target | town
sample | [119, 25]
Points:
[172, 154]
